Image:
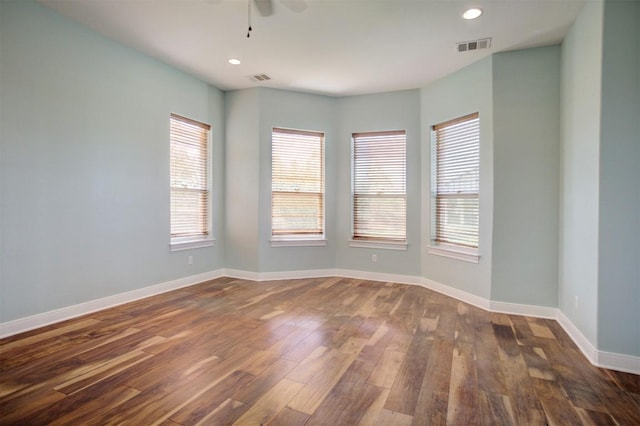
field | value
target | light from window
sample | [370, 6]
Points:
[455, 158]
[379, 186]
[297, 184]
[189, 143]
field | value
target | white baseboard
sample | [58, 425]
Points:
[461, 295]
[378, 276]
[614, 361]
[520, 309]
[242, 275]
[609, 360]
[40, 320]
[272, 276]
[578, 338]
[620, 362]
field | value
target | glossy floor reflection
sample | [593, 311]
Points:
[327, 351]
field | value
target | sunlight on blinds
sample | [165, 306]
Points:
[188, 177]
[297, 183]
[456, 162]
[379, 186]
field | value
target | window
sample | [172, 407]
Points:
[297, 187]
[455, 157]
[379, 188]
[189, 182]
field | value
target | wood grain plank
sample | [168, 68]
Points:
[207, 402]
[495, 409]
[463, 386]
[526, 407]
[227, 413]
[313, 351]
[557, 407]
[404, 392]
[289, 417]
[433, 400]
[271, 403]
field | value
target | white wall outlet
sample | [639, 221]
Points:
[374, 258]
[190, 260]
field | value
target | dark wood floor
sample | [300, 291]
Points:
[325, 351]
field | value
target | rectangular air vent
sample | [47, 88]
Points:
[260, 77]
[466, 46]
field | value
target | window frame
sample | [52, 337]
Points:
[300, 239]
[447, 248]
[206, 239]
[376, 242]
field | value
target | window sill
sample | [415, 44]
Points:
[298, 242]
[454, 252]
[384, 245]
[190, 244]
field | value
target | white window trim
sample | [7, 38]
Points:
[379, 244]
[450, 250]
[466, 254]
[186, 243]
[305, 240]
[298, 241]
[182, 243]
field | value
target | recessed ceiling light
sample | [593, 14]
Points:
[472, 13]
[234, 61]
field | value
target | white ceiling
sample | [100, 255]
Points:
[334, 47]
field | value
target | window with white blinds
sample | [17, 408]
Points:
[297, 184]
[379, 186]
[189, 181]
[455, 179]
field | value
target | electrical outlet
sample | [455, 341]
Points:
[374, 258]
[190, 260]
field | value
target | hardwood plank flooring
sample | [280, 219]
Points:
[329, 351]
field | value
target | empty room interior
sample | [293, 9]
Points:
[320, 212]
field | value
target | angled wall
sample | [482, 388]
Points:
[526, 147]
[579, 170]
[619, 184]
[371, 113]
[464, 92]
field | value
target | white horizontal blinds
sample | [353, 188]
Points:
[297, 183]
[457, 181]
[379, 186]
[188, 176]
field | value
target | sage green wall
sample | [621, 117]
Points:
[84, 164]
[280, 108]
[579, 171]
[464, 92]
[84, 155]
[370, 113]
[619, 204]
[526, 147]
[241, 168]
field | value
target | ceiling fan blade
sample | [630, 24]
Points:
[295, 5]
[264, 7]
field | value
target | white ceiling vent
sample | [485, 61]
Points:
[260, 77]
[466, 46]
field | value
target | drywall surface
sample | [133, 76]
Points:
[619, 204]
[85, 164]
[371, 113]
[301, 111]
[241, 180]
[526, 147]
[579, 170]
[464, 92]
